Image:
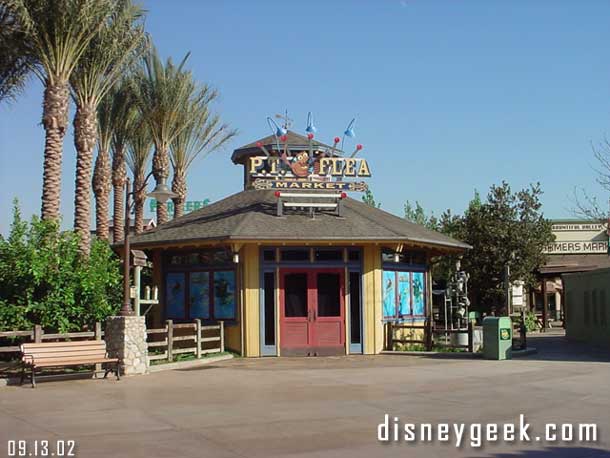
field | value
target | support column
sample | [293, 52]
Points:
[126, 339]
[557, 305]
[545, 304]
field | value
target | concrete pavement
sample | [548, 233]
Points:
[318, 407]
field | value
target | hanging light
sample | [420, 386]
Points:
[236, 258]
[162, 193]
[396, 257]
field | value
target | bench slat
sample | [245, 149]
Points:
[66, 344]
[63, 354]
[28, 348]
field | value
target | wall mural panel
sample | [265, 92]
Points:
[175, 295]
[404, 293]
[224, 295]
[200, 295]
[389, 294]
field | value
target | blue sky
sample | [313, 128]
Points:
[450, 96]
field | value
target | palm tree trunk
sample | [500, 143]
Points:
[161, 172]
[179, 187]
[119, 176]
[101, 188]
[140, 198]
[55, 121]
[85, 135]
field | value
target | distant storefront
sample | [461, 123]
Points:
[291, 264]
[580, 246]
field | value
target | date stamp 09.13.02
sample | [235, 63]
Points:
[36, 448]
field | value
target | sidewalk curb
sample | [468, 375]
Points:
[188, 364]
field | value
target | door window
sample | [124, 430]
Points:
[329, 294]
[295, 291]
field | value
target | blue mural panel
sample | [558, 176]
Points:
[199, 286]
[404, 293]
[389, 293]
[175, 295]
[224, 295]
[419, 303]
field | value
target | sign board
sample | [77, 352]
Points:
[312, 173]
[189, 206]
[578, 247]
[578, 227]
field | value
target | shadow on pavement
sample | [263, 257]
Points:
[556, 452]
[554, 346]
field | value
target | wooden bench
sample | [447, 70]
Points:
[63, 354]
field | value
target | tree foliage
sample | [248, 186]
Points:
[43, 280]
[416, 214]
[507, 228]
[369, 199]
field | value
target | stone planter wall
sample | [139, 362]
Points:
[126, 339]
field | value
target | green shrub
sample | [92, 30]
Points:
[531, 321]
[44, 279]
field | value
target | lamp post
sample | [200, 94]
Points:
[162, 193]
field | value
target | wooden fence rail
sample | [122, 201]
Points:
[180, 338]
[428, 335]
[38, 335]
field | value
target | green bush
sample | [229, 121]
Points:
[531, 321]
[44, 279]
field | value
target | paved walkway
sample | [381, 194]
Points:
[317, 407]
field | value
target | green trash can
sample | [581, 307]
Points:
[497, 337]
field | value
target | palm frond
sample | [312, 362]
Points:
[15, 57]
[202, 134]
[58, 32]
[139, 147]
[110, 53]
[161, 91]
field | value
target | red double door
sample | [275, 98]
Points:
[312, 312]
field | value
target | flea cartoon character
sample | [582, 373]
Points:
[300, 165]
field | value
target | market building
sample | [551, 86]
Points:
[580, 246]
[291, 265]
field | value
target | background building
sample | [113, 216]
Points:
[580, 246]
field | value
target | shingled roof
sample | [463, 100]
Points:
[251, 215]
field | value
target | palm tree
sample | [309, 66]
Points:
[203, 133]
[126, 112]
[138, 157]
[162, 90]
[109, 54]
[15, 61]
[101, 173]
[57, 34]
[114, 114]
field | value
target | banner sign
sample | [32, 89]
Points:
[578, 247]
[578, 227]
[302, 172]
[189, 206]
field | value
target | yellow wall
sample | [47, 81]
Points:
[249, 259]
[371, 281]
